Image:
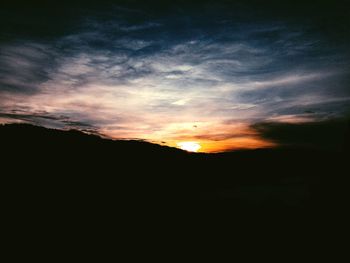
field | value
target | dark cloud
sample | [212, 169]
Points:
[23, 66]
[332, 134]
[48, 120]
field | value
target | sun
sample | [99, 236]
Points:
[189, 146]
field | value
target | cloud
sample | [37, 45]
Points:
[23, 66]
[137, 72]
[330, 134]
[47, 120]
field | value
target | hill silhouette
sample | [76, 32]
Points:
[67, 172]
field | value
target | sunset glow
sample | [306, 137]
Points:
[189, 146]
[199, 78]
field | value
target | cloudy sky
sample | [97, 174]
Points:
[169, 72]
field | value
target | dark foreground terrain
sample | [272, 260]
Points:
[61, 174]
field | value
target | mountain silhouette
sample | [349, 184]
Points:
[67, 173]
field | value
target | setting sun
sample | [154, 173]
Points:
[189, 146]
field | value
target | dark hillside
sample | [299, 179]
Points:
[66, 173]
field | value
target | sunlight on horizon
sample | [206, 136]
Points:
[189, 146]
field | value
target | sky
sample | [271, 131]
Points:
[218, 74]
